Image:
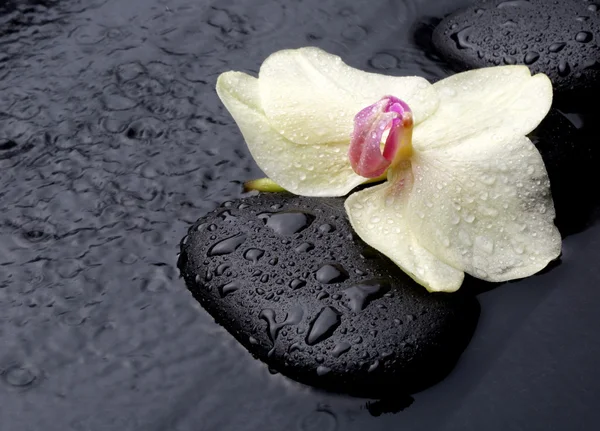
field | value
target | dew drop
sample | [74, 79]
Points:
[464, 237]
[228, 245]
[564, 68]
[360, 295]
[461, 38]
[295, 347]
[531, 57]
[253, 254]
[288, 223]
[584, 36]
[293, 317]
[297, 283]
[322, 295]
[340, 348]
[326, 228]
[331, 273]
[323, 326]
[229, 288]
[513, 3]
[227, 216]
[485, 244]
[557, 47]
[221, 269]
[304, 247]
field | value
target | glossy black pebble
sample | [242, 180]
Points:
[317, 304]
[559, 38]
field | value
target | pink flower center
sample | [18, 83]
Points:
[365, 154]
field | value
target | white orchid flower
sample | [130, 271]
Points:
[466, 190]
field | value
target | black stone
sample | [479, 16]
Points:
[558, 38]
[571, 157]
[359, 326]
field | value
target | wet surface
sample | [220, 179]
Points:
[113, 142]
[558, 38]
[340, 317]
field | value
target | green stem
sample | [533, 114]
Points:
[269, 186]
[263, 185]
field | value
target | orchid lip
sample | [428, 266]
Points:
[389, 113]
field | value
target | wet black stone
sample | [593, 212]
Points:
[558, 38]
[370, 331]
[571, 157]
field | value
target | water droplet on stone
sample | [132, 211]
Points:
[322, 295]
[295, 347]
[229, 288]
[221, 269]
[461, 38]
[293, 317]
[253, 254]
[331, 273]
[340, 348]
[564, 68]
[326, 228]
[557, 47]
[513, 3]
[297, 283]
[323, 325]
[226, 216]
[584, 36]
[531, 57]
[360, 295]
[288, 223]
[228, 245]
[304, 247]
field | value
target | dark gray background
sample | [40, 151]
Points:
[112, 141]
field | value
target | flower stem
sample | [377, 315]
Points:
[263, 185]
[267, 185]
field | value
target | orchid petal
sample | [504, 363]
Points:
[379, 216]
[311, 97]
[506, 99]
[484, 206]
[323, 171]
